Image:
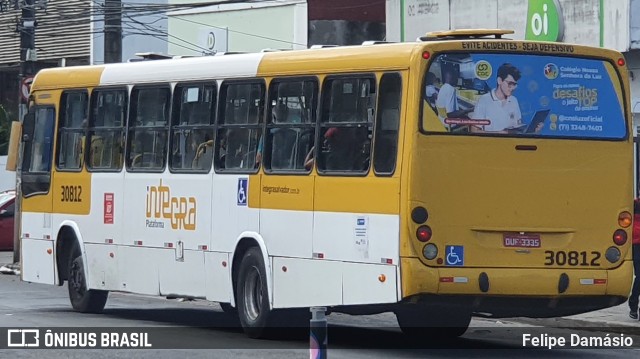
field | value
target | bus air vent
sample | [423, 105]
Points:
[464, 34]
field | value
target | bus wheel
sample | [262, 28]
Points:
[432, 322]
[252, 295]
[227, 308]
[83, 300]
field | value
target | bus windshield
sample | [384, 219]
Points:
[523, 95]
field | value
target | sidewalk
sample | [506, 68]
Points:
[6, 264]
[614, 317]
[611, 317]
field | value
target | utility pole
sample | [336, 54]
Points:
[27, 29]
[112, 31]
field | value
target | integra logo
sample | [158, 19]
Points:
[180, 211]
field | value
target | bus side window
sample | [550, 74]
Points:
[106, 129]
[291, 126]
[147, 143]
[192, 128]
[346, 125]
[72, 130]
[387, 124]
[240, 126]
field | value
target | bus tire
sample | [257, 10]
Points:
[227, 308]
[422, 322]
[253, 299]
[82, 300]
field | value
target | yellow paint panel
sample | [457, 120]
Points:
[475, 196]
[420, 279]
[68, 77]
[48, 98]
[619, 279]
[14, 146]
[287, 192]
[417, 278]
[357, 195]
[71, 192]
[339, 60]
[37, 204]
[254, 191]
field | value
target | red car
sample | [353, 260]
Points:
[7, 208]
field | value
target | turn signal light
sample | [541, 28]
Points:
[423, 233]
[621, 62]
[624, 219]
[426, 55]
[619, 237]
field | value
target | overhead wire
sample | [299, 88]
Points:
[74, 16]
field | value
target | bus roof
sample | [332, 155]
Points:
[360, 58]
[364, 58]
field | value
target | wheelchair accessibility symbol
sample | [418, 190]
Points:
[242, 191]
[455, 255]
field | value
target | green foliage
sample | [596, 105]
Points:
[5, 130]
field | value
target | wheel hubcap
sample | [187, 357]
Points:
[253, 294]
[75, 278]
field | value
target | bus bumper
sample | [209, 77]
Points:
[535, 292]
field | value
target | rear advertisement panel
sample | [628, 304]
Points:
[524, 95]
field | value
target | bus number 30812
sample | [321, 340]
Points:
[572, 258]
[71, 193]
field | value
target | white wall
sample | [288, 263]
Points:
[581, 19]
[7, 179]
[251, 27]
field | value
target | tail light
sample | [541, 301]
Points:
[423, 233]
[619, 237]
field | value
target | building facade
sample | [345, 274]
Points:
[612, 24]
[71, 33]
[273, 24]
[62, 32]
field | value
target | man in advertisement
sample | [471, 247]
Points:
[499, 105]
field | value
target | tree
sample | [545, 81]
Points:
[5, 131]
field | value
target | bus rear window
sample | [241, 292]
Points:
[523, 95]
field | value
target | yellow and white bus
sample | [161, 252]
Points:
[462, 174]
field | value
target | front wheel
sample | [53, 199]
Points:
[82, 299]
[252, 295]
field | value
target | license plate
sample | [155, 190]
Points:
[521, 240]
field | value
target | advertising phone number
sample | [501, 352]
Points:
[571, 127]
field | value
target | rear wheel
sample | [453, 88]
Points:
[82, 299]
[228, 309]
[252, 295]
[423, 321]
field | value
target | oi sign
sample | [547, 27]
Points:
[544, 21]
